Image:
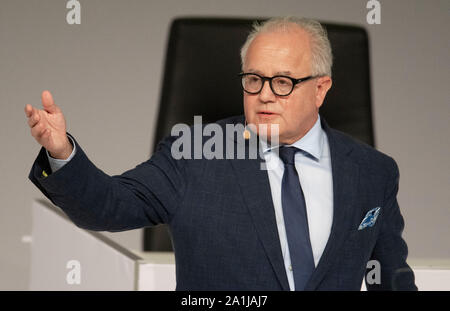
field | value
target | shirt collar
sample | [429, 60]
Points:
[311, 142]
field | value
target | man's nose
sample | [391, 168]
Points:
[266, 93]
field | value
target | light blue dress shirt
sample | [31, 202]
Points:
[56, 164]
[314, 170]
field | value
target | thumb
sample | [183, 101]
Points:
[48, 103]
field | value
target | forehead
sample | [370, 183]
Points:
[279, 51]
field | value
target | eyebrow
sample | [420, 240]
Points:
[278, 73]
[283, 73]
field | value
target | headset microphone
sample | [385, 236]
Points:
[246, 134]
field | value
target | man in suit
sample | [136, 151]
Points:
[326, 206]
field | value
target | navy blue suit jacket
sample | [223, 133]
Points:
[221, 216]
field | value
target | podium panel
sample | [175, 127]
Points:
[65, 257]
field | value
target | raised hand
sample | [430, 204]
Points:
[48, 127]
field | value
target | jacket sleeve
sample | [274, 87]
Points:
[390, 249]
[144, 196]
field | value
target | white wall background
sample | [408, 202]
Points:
[106, 74]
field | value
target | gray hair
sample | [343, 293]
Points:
[322, 58]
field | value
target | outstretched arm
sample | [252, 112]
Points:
[147, 195]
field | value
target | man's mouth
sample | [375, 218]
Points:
[266, 113]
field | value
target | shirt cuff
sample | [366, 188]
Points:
[56, 164]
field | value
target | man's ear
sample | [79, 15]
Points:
[322, 86]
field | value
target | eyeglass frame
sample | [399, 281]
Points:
[264, 79]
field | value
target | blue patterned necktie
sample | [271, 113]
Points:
[295, 220]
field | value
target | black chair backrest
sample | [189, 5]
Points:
[200, 78]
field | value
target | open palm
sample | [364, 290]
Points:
[48, 127]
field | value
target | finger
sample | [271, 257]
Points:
[48, 103]
[34, 116]
[28, 110]
[45, 134]
[37, 130]
[44, 139]
[34, 119]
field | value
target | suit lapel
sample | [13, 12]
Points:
[345, 174]
[255, 188]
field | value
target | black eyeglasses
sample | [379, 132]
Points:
[253, 83]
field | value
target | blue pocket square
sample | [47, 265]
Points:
[370, 218]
